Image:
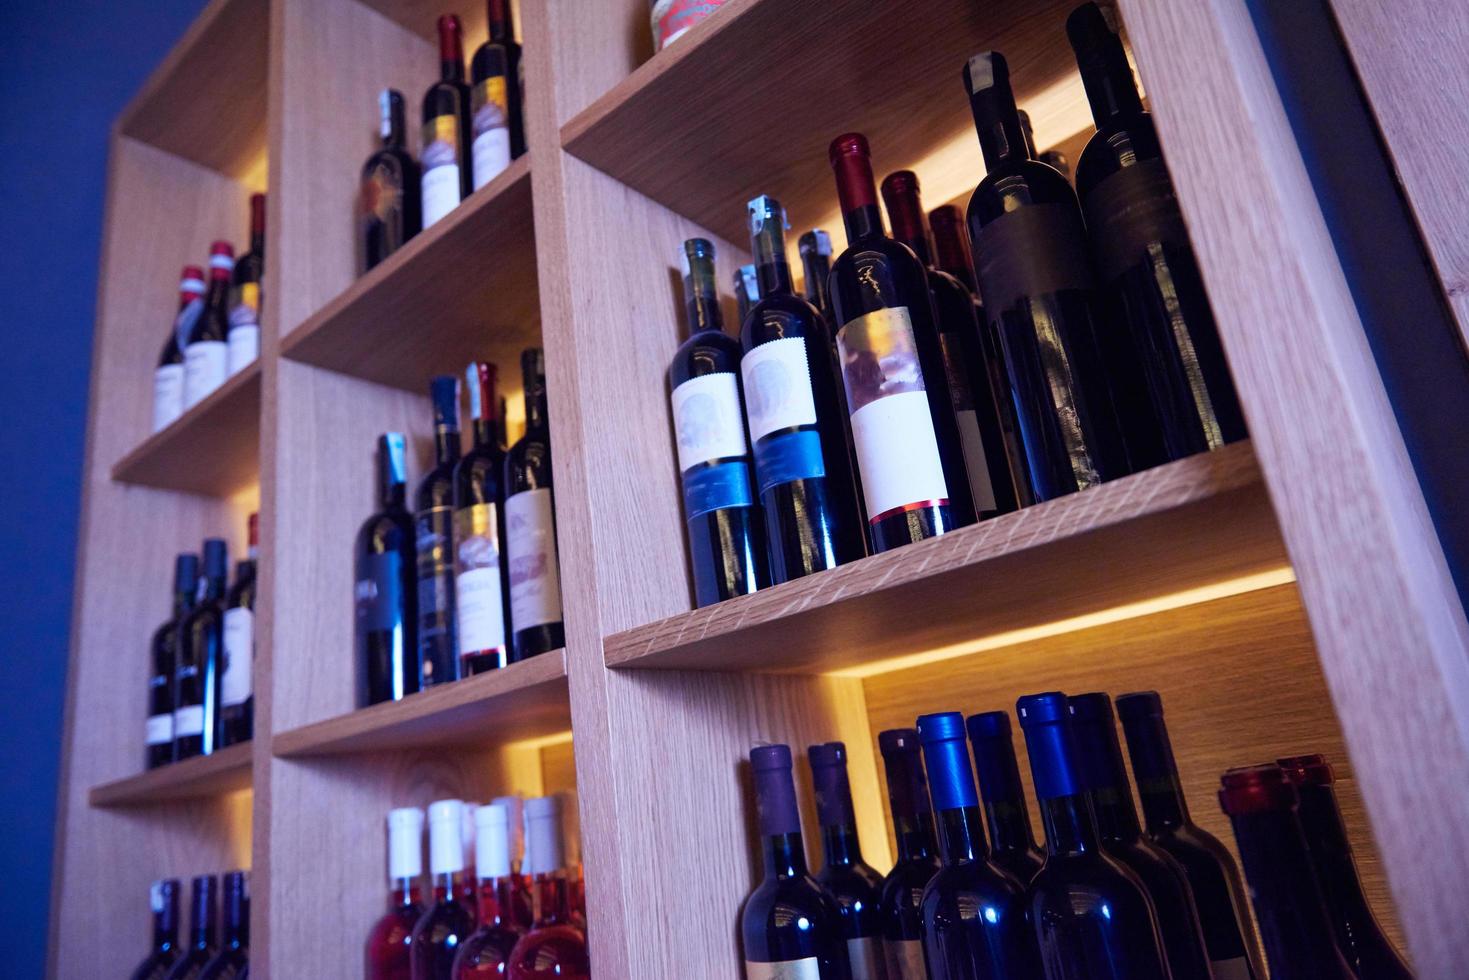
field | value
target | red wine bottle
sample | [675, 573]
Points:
[726, 539]
[234, 953]
[1012, 842]
[446, 923]
[245, 297]
[206, 350]
[390, 211]
[158, 735]
[815, 249]
[1170, 380]
[434, 532]
[385, 593]
[446, 134]
[795, 416]
[236, 674]
[746, 290]
[1359, 935]
[553, 949]
[389, 950]
[196, 676]
[1035, 276]
[163, 896]
[203, 934]
[908, 452]
[481, 584]
[497, 125]
[1294, 925]
[486, 953]
[168, 377]
[902, 889]
[530, 524]
[851, 883]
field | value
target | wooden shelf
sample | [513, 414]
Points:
[206, 775]
[1197, 522]
[463, 289]
[213, 448]
[524, 700]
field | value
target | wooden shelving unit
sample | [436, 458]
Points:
[1283, 594]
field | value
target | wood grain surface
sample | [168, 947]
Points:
[205, 775]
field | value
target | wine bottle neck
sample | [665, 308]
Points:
[1071, 824]
[1009, 826]
[548, 893]
[446, 443]
[451, 70]
[816, 267]
[997, 123]
[1107, 78]
[214, 586]
[961, 837]
[486, 433]
[494, 900]
[862, 222]
[1116, 817]
[785, 855]
[183, 599]
[1164, 807]
[443, 886]
[403, 893]
[1331, 851]
[914, 836]
[840, 845]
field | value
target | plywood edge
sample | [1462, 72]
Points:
[205, 775]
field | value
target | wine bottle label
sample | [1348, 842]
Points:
[160, 729]
[897, 450]
[674, 18]
[905, 959]
[1031, 251]
[961, 394]
[708, 420]
[867, 958]
[434, 530]
[480, 603]
[807, 969]
[168, 395]
[378, 593]
[244, 347]
[778, 387]
[206, 366]
[441, 162]
[530, 541]
[1129, 212]
[718, 486]
[188, 720]
[1234, 968]
[787, 457]
[491, 122]
[239, 656]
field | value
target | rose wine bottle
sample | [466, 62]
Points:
[815, 249]
[902, 889]
[486, 953]
[1299, 940]
[163, 896]
[389, 950]
[446, 923]
[385, 593]
[168, 377]
[856, 888]
[519, 909]
[229, 963]
[726, 539]
[196, 675]
[158, 735]
[997, 944]
[245, 296]
[909, 458]
[795, 416]
[1012, 842]
[746, 290]
[790, 926]
[553, 949]
[530, 524]
[446, 134]
[391, 191]
[481, 584]
[1218, 890]
[1162, 877]
[206, 348]
[1091, 915]
[236, 674]
[203, 937]
[496, 119]
[434, 532]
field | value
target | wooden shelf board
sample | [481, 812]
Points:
[206, 775]
[1193, 523]
[213, 448]
[463, 289]
[524, 700]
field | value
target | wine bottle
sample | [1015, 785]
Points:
[158, 733]
[726, 541]
[1367, 949]
[236, 674]
[902, 889]
[495, 104]
[234, 953]
[1056, 160]
[520, 911]
[446, 923]
[481, 585]
[486, 953]
[445, 166]
[1162, 877]
[746, 290]
[1218, 891]
[1170, 380]
[908, 453]
[203, 935]
[385, 593]
[815, 249]
[1012, 841]
[1294, 925]
[246, 301]
[163, 896]
[974, 923]
[856, 888]
[1091, 915]
[553, 949]
[434, 533]
[168, 377]
[789, 926]
[795, 416]
[391, 193]
[206, 350]
[196, 676]
[389, 950]
[978, 420]
[1035, 277]
[530, 524]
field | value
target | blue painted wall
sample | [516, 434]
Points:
[66, 70]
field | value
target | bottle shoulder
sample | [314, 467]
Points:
[528, 464]
[968, 882]
[436, 489]
[1016, 185]
[910, 874]
[1123, 143]
[705, 352]
[779, 316]
[477, 476]
[850, 879]
[1083, 884]
[385, 531]
[445, 97]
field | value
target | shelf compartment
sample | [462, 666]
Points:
[1198, 524]
[463, 289]
[212, 449]
[206, 775]
[524, 700]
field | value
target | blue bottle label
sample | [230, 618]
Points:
[717, 487]
[788, 456]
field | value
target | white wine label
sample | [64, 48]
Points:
[1235, 968]
[206, 366]
[807, 969]
[491, 155]
[188, 720]
[530, 541]
[160, 729]
[244, 347]
[440, 192]
[480, 603]
[168, 395]
[491, 125]
[707, 420]
[778, 387]
[866, 958]
[975, 466]
[239, 656]
[905, 959]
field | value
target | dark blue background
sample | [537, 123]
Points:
[66, 70]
